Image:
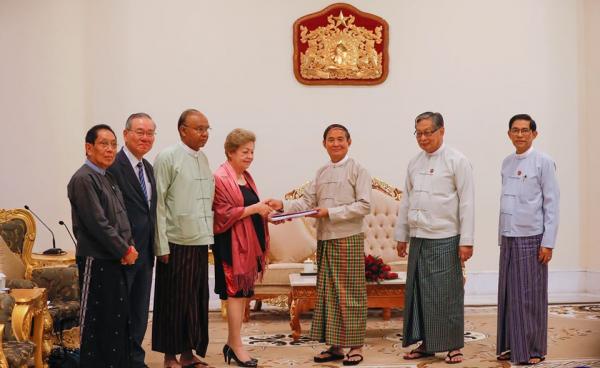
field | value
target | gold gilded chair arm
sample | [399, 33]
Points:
[30, 306]
[3, 361]
[22, 315]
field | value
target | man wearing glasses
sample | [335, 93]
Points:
[135, 177]
[104, 249]
[529, 211]
[184, 230]
[436, 216]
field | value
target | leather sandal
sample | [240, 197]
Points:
[504, 356]
[348, 361]
[420, 354]
[449, 358]
[330, 356]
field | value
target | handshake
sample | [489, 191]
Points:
[267, 207]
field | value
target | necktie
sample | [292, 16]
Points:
[142, 180]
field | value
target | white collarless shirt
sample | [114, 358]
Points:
[439, 198]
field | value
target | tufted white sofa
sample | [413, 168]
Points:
[295, 241]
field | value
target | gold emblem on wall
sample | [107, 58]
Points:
[340, 45]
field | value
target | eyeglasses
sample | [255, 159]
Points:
[523, 131]
[426, 133]
[140, 133]
[106, 145]
[199, 130]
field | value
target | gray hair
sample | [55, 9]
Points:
[436, 118]
[137, 115]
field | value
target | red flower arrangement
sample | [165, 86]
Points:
[376, 270]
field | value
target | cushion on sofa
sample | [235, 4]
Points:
[279, 273]
[291, 242]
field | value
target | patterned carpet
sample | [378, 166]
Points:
[573, 340]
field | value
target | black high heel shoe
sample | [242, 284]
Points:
[226, 348]
[229, 354]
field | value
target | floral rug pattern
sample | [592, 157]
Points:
[573, 340]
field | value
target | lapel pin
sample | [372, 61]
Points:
[431, 171]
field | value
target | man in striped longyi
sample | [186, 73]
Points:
[185, 190]
[529, 210]
[437, 214]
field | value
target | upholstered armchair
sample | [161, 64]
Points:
[17, 229]
[17, 235]
[295, 241]
[62, 284]
[16, 348]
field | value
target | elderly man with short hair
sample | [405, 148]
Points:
[529, 211]
[184, 231]
[104, 249]
[135, 177]
[437, 216]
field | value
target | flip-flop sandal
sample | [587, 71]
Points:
[535, 357]
[504, 356]
[420, 354]
[352, 362]
[331, 356]
[449, 358]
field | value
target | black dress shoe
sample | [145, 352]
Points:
[228, 354]
[226, 347]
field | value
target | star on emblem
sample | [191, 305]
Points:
[340, 20]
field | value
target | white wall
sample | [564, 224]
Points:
[43, 107]
[67, 65]
[589, 149]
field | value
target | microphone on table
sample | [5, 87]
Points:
[54, 250]
[61, 222]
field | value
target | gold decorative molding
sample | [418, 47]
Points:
[47, 335]
[376, 184]
[297, 192]
[282, 301]
[386, 188]
[340, 45]
[71, 338]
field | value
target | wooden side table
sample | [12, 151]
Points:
[386, 294]
[31, 305]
